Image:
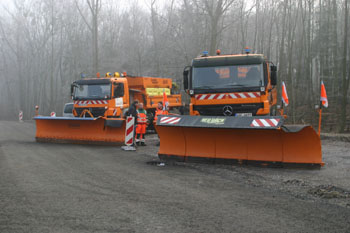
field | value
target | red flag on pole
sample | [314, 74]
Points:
[165, 101]
[284, 95]
[323, 98]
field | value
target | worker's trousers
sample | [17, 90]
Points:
[140, 133]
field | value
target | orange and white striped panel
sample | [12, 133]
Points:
[227, 96]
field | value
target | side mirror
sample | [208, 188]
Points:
[185, 75]
[273, 76]
[185, 79]
[118, 90]
[72, 86]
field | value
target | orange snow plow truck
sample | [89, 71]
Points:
[99, 107]
[231, 120]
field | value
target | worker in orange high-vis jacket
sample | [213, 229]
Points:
[159, 111]
[141, 125]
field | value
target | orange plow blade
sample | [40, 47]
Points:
[237, 139]
[80, 130]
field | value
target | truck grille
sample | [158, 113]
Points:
[96, 112]
[218, 110]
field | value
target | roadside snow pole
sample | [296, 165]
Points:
[20, 116]
[36, 110]
[319, 120]
[323, 103]
[53, 114]
[129, 134]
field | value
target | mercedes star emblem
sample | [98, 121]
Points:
[228, 110]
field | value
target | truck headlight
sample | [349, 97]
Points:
[262, 88]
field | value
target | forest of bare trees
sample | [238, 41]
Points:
[46, 44]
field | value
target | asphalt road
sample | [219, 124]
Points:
[81, 188]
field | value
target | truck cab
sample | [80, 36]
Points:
[110, 96]
[100, 97]
[231, 85]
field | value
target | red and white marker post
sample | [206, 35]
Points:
[53, 114]
[129, 133]
[20, 116]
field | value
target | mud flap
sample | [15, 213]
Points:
[80, 130]
[237, 139]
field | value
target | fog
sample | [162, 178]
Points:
[45, 45]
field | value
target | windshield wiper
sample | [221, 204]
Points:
[206, 86]
[232, 85]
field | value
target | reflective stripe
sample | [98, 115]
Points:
[129, 131]
[227, 95]
[141, 118]
[267, 122]
[90, 102]
[170, 120]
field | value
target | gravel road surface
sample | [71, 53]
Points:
[82, 188]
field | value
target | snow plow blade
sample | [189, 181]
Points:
[263, 140]
[80, 130]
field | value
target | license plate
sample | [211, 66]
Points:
[248, 114]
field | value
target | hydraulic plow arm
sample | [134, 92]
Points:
[237, 139]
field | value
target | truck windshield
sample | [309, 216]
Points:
[92, 91]
[228, 76]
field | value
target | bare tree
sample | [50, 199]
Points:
[45, 46]
[345, 66]
[94, 8]
[215, 9]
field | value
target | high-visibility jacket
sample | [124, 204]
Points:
[141, 116]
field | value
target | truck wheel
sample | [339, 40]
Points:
[273, 111]
[150, 127]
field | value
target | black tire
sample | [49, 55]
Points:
[273, 111]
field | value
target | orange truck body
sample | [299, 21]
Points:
[230, 118]
[257, 100]
[99, 108]
[147, 90]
